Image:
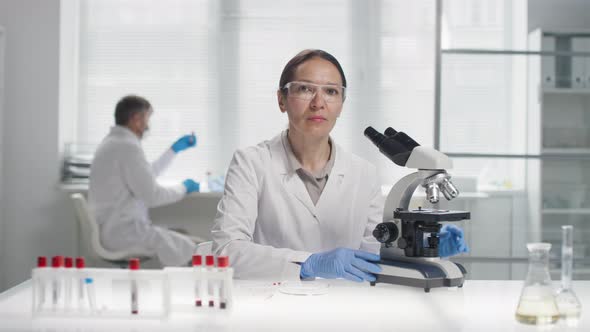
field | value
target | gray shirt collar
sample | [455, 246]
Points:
[296, 165]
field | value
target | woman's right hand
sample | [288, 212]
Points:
[344, 263]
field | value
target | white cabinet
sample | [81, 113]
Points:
[2, 45]
[560, 101]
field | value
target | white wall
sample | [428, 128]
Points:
[37, 217]
[2, 38]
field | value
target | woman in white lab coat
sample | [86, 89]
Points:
[298, 206]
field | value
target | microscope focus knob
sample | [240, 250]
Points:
[386, 232]
[402, 243]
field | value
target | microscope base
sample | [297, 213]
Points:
[420, 272]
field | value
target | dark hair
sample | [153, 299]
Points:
[303, 56]
[128, 106]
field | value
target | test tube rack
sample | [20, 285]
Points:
[213, 286]
[108, 293]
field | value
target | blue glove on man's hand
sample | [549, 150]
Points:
[191, 186]
[452, 241]
[341, 263]
[185, 142]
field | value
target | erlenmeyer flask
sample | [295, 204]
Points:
[568, 304]
[537, 301]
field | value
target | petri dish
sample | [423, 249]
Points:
[312, 287]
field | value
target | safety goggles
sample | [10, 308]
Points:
[307, 91]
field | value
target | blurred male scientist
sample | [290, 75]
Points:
[123, 186]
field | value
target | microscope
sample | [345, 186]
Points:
[413, 260]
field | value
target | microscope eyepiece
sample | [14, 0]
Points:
[401, 137]
[389, 132]
[375, 136]
[392, 149]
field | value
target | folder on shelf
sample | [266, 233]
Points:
[548, 62]
[580, 64]
[563, 63]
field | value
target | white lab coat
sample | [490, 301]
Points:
[267, 223]
[122, 188]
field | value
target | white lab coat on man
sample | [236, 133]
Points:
[267, 223]
[122, 188]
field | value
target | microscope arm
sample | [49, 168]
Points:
[401, 193]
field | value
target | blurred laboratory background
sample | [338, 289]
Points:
[501, 86]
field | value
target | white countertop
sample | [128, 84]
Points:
[481, 305]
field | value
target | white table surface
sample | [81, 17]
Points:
[259, 306]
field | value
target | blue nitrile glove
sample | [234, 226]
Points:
[452, 241]
[191, 186]
[185, 142]
[341, 263]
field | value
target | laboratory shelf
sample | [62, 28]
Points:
[512, 52]
[578, 272]
[567, 91]
[566, 211]
[566, 151]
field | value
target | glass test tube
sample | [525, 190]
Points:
[567, 256]
[568, 303]
[210, 284]
[134, 266]
[198, 266]
[69, 263]
[89, 282]
[56, 264]
[80, 280]
[41, 263]
[222, 264]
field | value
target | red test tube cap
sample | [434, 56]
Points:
[210, 260]
[57, 261]
[197, 260]
[134, 264]
[41, 261]
[80, 263]
[69, 262]
[222, 261]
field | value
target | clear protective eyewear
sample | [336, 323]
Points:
[307, 91]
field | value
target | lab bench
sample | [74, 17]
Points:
[481, 305]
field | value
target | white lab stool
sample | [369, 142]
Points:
[90, 237]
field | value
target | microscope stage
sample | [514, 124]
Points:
[431, 215]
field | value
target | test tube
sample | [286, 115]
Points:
[134, 266]
[91, 295]
[197, 265]
[41, 263]
[568, 303]
[80, 263]
[210, 263]
[56, 264]
[567, 256]
[222, 265]
[69, 263]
